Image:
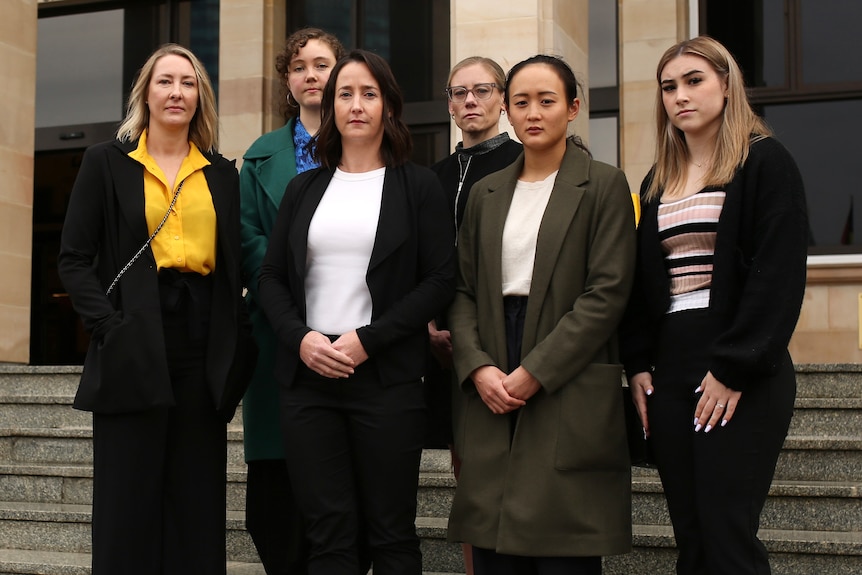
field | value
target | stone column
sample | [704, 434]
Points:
[509, 32]
[17, 140]
[251, 32]
[646, 29]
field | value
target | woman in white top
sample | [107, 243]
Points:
[546, 252]
[357, 264]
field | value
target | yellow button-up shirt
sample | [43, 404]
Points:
[187, 241]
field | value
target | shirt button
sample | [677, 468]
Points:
[176, 237]
[179, 259]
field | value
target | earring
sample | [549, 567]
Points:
[289, 103]
[453, 116]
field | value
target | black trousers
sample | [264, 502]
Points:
[716, 483]
[273, 520]
[159, 475]
[353, 449]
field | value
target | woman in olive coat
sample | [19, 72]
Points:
[545, 483]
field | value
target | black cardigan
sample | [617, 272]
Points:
[758, 278]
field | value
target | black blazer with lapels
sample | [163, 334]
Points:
[126, 366]
[410, 274]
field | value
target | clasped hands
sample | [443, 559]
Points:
[716, 405]
[334, 359]
[504, 393]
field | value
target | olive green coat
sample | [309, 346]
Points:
[562, 487]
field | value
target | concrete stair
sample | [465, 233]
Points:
[812, 522]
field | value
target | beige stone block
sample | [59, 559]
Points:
[238, 132]
[241, 21]
[18, 94]
[573, 18]
[242, 96]
[844, 306]
[814, 315]
[507, 42]
[648, 19]
[18, 26]
[15, 280]
[638, 100]
[639, 60]
[241, 59]
[16, 169]
[16, 231]
[832, 346]
[490, 12]
[637, 143]
[14, 334]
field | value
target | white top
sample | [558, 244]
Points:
[340, 239]
[521, 232]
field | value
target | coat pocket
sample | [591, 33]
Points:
[124, 371]
[591, 432]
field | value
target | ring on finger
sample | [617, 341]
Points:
[721, 405]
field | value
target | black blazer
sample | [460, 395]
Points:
[758, 278]
[410, 275]
[126, 366]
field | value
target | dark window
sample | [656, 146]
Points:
[414, 38]
[800, 59]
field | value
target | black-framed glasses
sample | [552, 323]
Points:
[482, 91]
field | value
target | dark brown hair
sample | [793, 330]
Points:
[396, 146]
[294, 43]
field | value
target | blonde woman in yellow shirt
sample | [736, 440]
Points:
[150, 258]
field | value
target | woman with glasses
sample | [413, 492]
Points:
[546, 259]
[475, 93]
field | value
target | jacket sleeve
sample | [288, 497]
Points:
[277, 280]
[252, 233]
[636, 331]
[775, 265]
[434, 275]
[82, 242]
[467, 349]
[592, 322]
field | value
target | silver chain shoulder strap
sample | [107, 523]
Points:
[149, 240]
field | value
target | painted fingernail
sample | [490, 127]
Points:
[649, 392]
[697, 428]
[695, 421]
[708, 427]
[723, 422]
[699, 389]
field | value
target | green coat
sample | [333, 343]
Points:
[563, 485]
[268, 165]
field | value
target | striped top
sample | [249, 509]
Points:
[687, 229]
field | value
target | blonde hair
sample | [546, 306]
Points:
[740, 126]
[490, 66]
[203, 129]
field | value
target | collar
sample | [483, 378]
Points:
[483, 147]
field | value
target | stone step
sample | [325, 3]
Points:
[20, 562]
[24, 562]
[65, 528]
[827, 416]
[73, 484]
[829, 380]
[790, 552]
[803, 505]
[75, 445]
